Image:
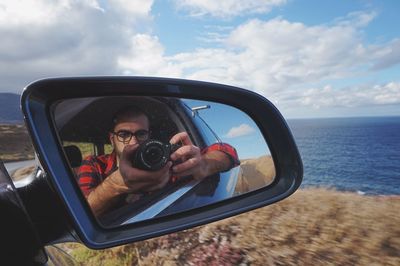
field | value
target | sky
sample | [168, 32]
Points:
[309, 58]
[232, 126]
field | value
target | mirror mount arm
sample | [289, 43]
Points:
[195, 110]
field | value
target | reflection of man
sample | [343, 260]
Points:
[106, 180]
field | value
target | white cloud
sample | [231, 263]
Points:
[356, 19]
[277, 58]
[389, 56]
[28, 12]
[239, 131]
[354, 96]
[133, 8]
[282, 60]
[227, 8]
[268, 56]
[146, 56]
[41, 38]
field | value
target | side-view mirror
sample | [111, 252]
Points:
[129, 158]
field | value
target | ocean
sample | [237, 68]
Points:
[350, 154]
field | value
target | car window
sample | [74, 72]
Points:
[208, 134]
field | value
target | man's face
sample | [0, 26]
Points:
[125, 126]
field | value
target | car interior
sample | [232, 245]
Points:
[83, 126]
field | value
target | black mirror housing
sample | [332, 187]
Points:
[39, 98]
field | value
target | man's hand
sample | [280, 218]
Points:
[137, 180]
[193, 162]
[127, 179]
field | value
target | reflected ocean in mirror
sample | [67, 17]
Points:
[120, 152]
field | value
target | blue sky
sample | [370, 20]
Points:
[234, 127]
[311, 12]
[310, 58]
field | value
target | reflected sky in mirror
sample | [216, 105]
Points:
[234, 127]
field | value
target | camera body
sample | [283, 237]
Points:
[152, 155]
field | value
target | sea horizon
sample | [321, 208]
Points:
[342, 117]
[359, 154]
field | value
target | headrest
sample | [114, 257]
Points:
[74, 155]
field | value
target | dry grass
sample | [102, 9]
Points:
[319, 226]
[312, 227]
[255, 174]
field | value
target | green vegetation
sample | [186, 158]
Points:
[88, 148]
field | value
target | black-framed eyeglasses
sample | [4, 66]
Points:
[125, 136]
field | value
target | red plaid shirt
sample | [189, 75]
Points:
[95, 169]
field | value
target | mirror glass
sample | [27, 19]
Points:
[137, 158]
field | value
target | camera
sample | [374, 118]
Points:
[153, 155]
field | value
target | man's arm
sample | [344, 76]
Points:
[100, 195]
[126, 179]
[106, 194]
[223, 157]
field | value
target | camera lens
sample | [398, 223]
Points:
[153, 154]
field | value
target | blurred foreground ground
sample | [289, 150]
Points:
[312, 227]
